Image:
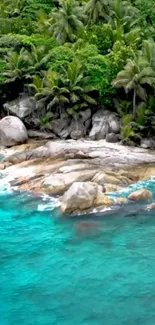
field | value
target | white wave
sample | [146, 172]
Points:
[50, 205]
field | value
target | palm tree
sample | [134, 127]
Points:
[124, 20]
[135, 76]
[49, 91]
[148, 52]
[67, 21]
[133, 37]
[96, 9]
[18, 65]
[78, 87]
[124, 14]
[26, 63]
[71, 88]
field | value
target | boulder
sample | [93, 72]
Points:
[21, 107]
[111, 137]
[58, 125]
[65, 133]
[77, 129]
[141, 194]
[104, 122]
[85, 115]
[148, 143]
[12, 131]
[82, 196]
[87, 124]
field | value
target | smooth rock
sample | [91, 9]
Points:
[113, 178]
[111, 137]
[141, 194]
[112, 188]
[59, 182]
[80, 196]
[102, 199]
[21, 107]
[102, 178]
[12, 131]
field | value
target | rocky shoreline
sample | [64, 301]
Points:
[79, 173]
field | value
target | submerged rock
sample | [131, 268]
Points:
[151, 206]
[141, 194]
[86, 227]
[12, 131]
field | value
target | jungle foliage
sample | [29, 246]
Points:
[72, 54]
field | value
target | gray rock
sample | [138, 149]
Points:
[79, 196]
[88, 124]
[85, 115]
[77, 129]
[21, 107]
[76, 135]
[64, 134]
[111, 137]
[12, 131]
[58, 125]
[103, 122]
[41, 107]
[114, 123]
[41, 135]
[148, 143]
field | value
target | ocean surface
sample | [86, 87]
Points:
[54, 270]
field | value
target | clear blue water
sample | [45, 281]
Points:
[52, 272]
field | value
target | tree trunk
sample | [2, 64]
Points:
[134, 103]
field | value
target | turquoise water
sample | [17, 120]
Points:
[57, 271]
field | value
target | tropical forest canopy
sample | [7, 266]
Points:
[74, 54]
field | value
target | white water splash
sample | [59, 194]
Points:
[50, 205]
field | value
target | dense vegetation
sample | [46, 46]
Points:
[72, 54]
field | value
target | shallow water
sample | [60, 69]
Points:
[61, 271]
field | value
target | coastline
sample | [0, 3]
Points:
[53, 167]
